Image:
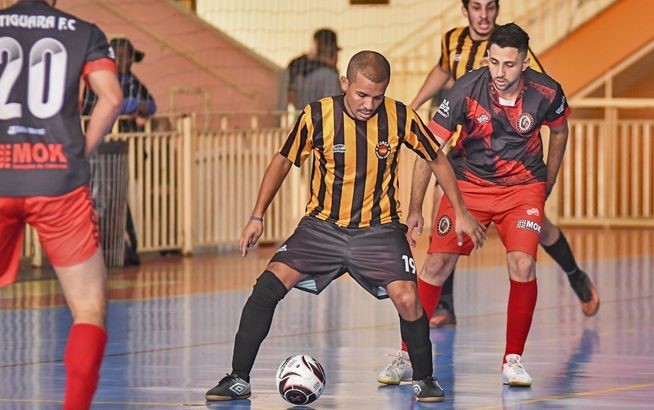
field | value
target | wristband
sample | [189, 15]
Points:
[256, 218]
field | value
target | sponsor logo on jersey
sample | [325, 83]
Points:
[444, 108]
[561, 107]
[526, 224]
[444, 225]
[339, 149]
[533, 211]
[382, 149]
[483, 119]
[524, 123]
[32, 156]
[283, 248]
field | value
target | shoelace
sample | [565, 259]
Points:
[399, 361]
[227, 378]
[517, 367]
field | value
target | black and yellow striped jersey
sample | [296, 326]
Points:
[461, 54]
[354, 181]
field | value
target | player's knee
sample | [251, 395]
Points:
[92, 311]
[435, 270]
[522, 267]
[268, 290]
[408, 305]
[407, 300]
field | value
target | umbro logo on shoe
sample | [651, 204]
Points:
[238, 388]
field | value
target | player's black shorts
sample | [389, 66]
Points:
[373, 256]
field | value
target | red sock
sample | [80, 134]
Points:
[522, 301]
[429, 296]
[83, 357]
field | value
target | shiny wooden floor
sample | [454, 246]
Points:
[172, 322]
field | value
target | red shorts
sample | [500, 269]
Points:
[66, 225]
[516, 211]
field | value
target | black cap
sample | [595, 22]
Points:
[326, 39]
[137, 55]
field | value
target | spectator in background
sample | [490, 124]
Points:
[138, 103]
[314, 75]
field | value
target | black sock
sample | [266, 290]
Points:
[416, 336]
[255, 322]
[447, 295]
[560, 251]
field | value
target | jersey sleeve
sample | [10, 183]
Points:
[99, 54]
[299, 142]
[444, 61]
[558, 111]
[450, 113]
[419, 138]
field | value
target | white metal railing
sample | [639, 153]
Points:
[606, 177]
[228, 167]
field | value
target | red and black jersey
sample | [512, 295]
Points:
[354, 180]
[499, 144]
[43, 54]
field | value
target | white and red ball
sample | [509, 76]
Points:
[300, 379]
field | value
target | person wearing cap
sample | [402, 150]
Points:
[138, 103]
[314, 75]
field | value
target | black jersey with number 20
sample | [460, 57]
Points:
[43, 54]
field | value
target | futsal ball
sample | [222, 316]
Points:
[300, 379]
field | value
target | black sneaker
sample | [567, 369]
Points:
[231, 387]
[428, 390]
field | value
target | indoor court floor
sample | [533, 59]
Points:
[172, 322]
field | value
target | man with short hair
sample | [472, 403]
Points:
[45, 172]
[352, 213]
[314, 75]
[498, 161]
[465, 49]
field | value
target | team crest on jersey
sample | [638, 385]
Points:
[483, 119]
[382, 149]
[524, 123]
[444, 225]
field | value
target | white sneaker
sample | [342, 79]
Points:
[399, 370]
[513, 373]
